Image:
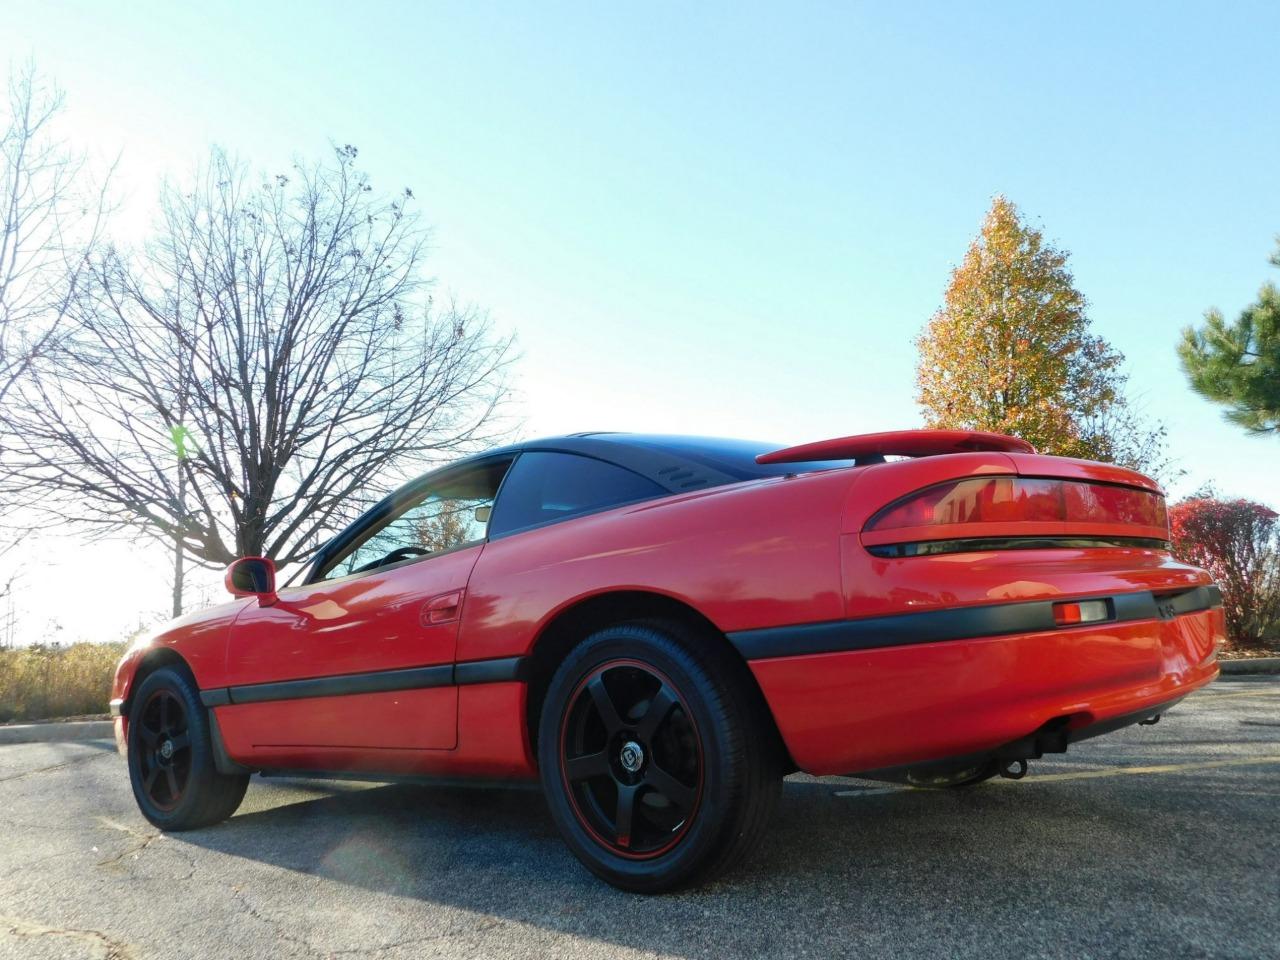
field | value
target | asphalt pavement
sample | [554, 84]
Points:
[1159, 842]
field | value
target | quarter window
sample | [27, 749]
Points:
[544, 487]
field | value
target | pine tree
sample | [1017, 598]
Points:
[1239, 365]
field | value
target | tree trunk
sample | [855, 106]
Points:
[177, 545]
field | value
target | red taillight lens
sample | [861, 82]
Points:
[1024, 500]
[1102, 503]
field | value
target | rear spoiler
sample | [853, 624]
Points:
[874, 447]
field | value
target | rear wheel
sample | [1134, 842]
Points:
[171, 763]
[657, 764]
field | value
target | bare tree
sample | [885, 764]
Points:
[47, 220]
[270, 363]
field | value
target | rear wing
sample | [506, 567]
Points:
[869, 448]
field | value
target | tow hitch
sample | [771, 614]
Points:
[1150, 721]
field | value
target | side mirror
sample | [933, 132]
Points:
[253, 577]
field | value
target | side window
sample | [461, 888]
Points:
[555, 486]
[453, 513]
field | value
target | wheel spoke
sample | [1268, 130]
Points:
[626, 806]
[173, 783]
[164, 714]
[181, 742]
[659, 708]
[681, 797]
[149, 780]
[587, 766]
[604, 705]
[149, 737]
[627, 787]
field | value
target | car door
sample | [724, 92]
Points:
[361, 655]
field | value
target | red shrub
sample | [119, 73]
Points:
[1238, 542]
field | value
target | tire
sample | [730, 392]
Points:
[182, 790]
[652, 801]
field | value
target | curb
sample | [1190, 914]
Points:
[1251, 665]
[58, 732]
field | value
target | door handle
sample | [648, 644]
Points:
[442, 609]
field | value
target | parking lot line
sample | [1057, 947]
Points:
[1205, 697]
[1157, 769]
[1095, 773]
[873, 791]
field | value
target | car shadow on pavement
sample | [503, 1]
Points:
[897, 866]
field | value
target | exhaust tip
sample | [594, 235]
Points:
[1013, 769]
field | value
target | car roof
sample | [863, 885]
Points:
[675, 462]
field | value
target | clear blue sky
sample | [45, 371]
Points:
[733, 220]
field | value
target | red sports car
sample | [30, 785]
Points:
[660, 628]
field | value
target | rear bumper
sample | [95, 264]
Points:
[870, 695]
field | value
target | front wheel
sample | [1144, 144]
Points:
[171, 764]
[656, 761]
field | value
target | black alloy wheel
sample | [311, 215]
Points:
[165, 757]
[658, 758]
[172, 765]
[631, 758]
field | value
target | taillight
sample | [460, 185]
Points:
[1025, 500]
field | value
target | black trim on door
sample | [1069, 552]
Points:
[218, 697]
[504, 670]
[959, 623]
[341, 686]
[490, 671]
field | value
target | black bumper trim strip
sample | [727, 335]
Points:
[961, 623]
[1189, 601]
[504, 670]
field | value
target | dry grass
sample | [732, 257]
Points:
[39, 682]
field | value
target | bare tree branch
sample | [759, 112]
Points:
[8, 547]
[48, 219]
[269, 364]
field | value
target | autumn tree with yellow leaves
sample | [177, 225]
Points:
[1011, 351]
